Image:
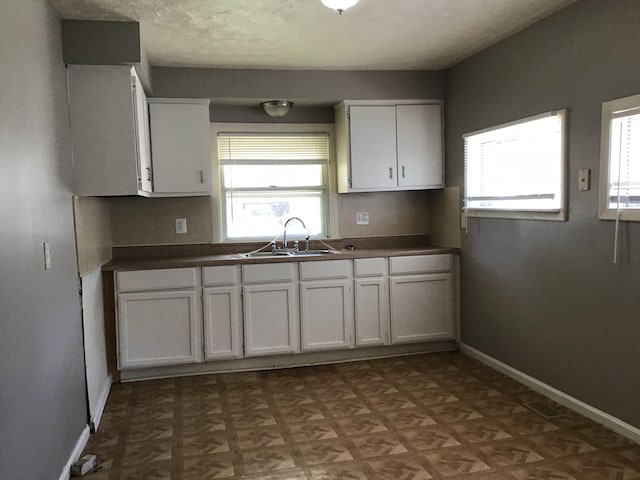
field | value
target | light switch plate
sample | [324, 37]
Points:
[584, 179]
[362, 218]
[181, 225]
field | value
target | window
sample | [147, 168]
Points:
[620, 159]
[267, 178]
[517, 170]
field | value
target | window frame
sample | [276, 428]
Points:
[559, 215]
[610, 110]
[219, 207]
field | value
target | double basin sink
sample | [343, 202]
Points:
[291, 253]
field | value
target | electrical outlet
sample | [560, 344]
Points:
[181, 225]
[584, 179]
[47, 256]
[362, 218]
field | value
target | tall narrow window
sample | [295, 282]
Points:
[267, 178]
[620, 159]
[517, 170]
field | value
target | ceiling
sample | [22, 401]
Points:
[303, 34]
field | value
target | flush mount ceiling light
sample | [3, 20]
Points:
[339, 5]
[277, 108]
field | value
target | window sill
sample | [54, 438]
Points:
[559, 216]
[625, 215]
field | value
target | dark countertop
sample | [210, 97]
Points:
[181, 261]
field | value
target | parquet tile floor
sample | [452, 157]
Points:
[435, 416]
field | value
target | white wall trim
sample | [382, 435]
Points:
[102, 402]
[75, 454]
[613, 423]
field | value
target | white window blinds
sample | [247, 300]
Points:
[248, 149]
[624, 161]
[516, 167]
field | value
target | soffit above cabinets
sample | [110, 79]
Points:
[303, 34]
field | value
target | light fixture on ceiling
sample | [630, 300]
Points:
[277, 108]
[339, 5]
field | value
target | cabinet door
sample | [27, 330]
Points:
[372, 312]
[222, 322]
[180, 147]
[159, 328]
[326, 315]
[420, 160]
[373, 147]
[421, 308]
[271, 319]
[141, 112]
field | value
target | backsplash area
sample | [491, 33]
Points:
[151, 221]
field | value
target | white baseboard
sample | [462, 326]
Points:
[625, 429]
[77, 451]
[102, 402]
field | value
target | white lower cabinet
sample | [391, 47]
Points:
[326, 314]
[159, 328]
[270, 319]
[372, 312]
[421, 308]
[222, 308]
[271, 309]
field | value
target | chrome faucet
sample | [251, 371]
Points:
[284, 234]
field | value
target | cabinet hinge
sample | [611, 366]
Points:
[350, 183]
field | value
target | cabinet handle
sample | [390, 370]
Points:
[402, 171]
[391, 173]
[201, 177]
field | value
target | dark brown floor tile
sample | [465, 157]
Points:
[434, 396]
[286, 385]
[339, 392]
[260, 437]
[243, 389]
[147, 452]
[376, 389]
[210, 467]
[510, 452]
[454, 412]
[365, 376]
[295, 474]
[339, 471]
[480, 431]
[247, 402]
[554, 471]
[378, 445]
[324, 381]
[430, 438]
[400, 468]
[347, 408]
[602, 437]
[301, 413]
[498, 406]
[409, 418]
[411, 384]
[161, 471]
[253, 419]
[143, 432]
[392, 402]
[395, 372]
[148, 413]
[361, 424]
[460, 461]
[326, 452]
[311, 431]
[208, 424]
[526, 423]
[603, 466]
[192, 407]
[206, 444]
[267, 460]
[291, 399]
[561, 444]
[473, 391]
[202, 392]
[237, 377]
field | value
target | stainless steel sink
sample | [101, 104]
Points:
[302, 253]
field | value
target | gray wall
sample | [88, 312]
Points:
[42, 393]
[544, 297]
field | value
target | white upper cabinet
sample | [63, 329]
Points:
[109, 128]
[384, 146]
[126, 144]
[180, 147]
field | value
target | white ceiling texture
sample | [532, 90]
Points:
[304, 34]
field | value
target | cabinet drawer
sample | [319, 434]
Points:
[225, 275]
[140, 280]
[324, 269]
[272, 272]
[368, 267]
[420, 264]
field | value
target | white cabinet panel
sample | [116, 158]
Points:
[326, 312]
[371, 311]
[421, 264]
[421, 308]
[373, 147]
[180, 146]
[222, 275]
[325, 269]
[419, 130]
[159, 328]
[369, 267]
[222, 322]
[139, 280]
[269, 273]
[271, 319]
